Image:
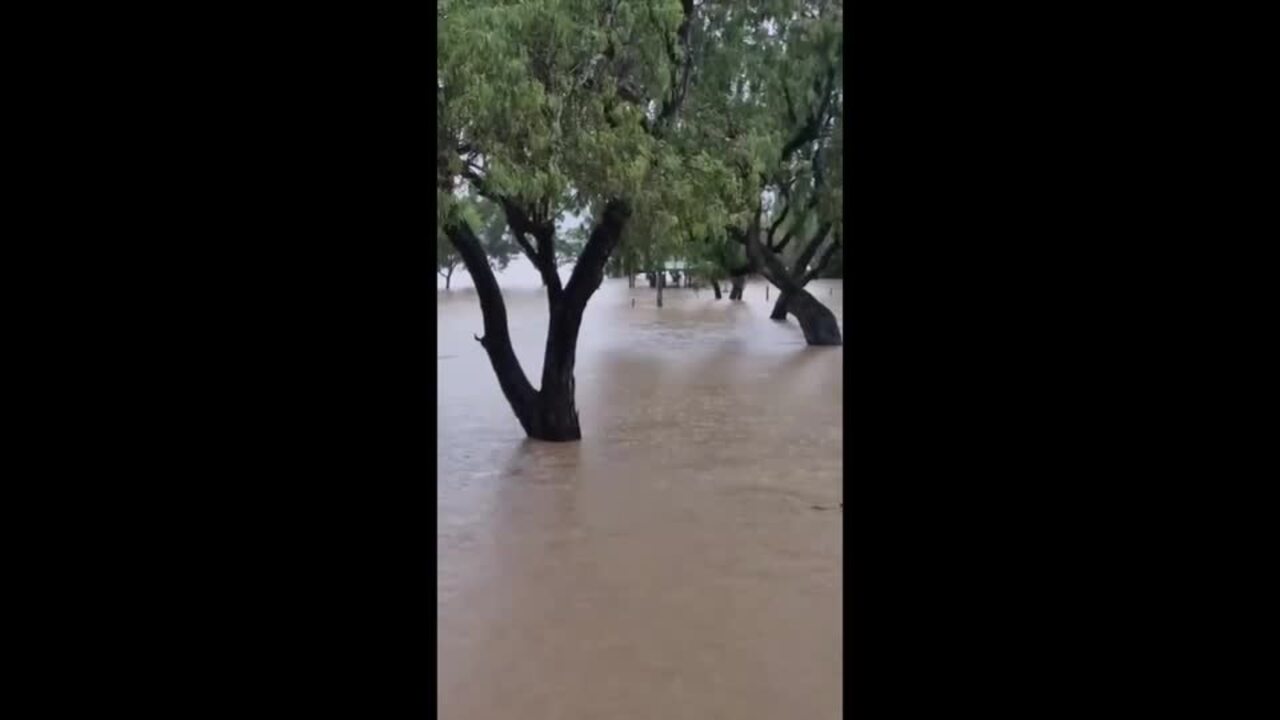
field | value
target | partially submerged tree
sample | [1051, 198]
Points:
[799, 98]
[668, 115]
[816, 232]
[556, 106]
[770, 97]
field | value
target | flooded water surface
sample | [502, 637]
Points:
[682, 560]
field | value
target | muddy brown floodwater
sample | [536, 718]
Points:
[684, 559]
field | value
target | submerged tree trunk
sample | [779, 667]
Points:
[816, 320]
[631, 280]
[550, 412]
[738, 282]
[716, 287]
[558, 416]
[652, 278]
[497, 340]
[780, 307]
[662, 281]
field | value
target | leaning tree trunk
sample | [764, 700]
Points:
[497, 339]
[816, 320]
[780, 308]
[550, 412]
[716, 287]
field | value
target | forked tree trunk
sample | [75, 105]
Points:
[550, 412]
[816, 320]
[556, 417]
[780, 308]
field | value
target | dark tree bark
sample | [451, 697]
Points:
[548, 413]
[737, 283]
[716, 287]
[780, 307]
[652, 278]
[662, 281]
[816, 320]
[497, 339]
[558, 417]
[631, 280]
